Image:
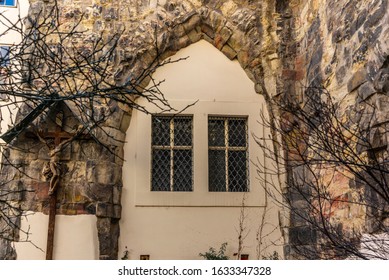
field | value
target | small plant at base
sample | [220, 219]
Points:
[125, 254]
[213, 255]
[274, 256]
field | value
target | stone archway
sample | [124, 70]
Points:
[237, 36]
[216, 29]
[235, 28]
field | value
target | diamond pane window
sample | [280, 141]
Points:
[227, 154]
[172, 153]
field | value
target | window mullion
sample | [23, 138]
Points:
[171, 154]
[226, 131]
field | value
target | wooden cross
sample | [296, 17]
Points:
[58, 135]
[61, 139]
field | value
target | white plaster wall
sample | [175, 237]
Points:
[75, 237]
[12, 14]
[169, 225]
[8, 38]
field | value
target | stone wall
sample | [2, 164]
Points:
[342, 46]
[283, 46]
[90, 181]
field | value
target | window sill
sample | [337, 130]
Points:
[200, 199]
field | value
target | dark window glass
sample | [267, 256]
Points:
[237, 133]
[182, 168]
[216, 132]
[237, 171]
[172, 153]
[161, 131]
[161, 170]
[183, 132]
[227, 154]
[217, 170]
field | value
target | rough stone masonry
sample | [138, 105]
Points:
[282, 46]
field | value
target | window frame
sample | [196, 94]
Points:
[140, 164]
[8, 5]
[229, 148]
[173, 148]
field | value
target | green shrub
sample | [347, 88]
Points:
[213, 255]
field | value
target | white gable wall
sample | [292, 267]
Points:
[180, 225]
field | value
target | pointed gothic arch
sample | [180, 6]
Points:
[215, 97]
[236, 40]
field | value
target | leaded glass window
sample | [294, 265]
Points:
[227, 154]
[172, 153]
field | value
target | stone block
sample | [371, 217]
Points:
[207, 38]
[382, 103]
[191, 22]
[237, 41]
[316, 58]
[104, 210]
[182, 42]
[289, 74]
[243, 58]
[229, 8]
[207, 30]
[356, 80]
[13, 191]
[7, 250]
[298, 219]
[105, 173]
[113, 116]
[91, 208]
[360, 54]
[179, 31]
[365, 91]
[222, 37]
[381, 81]
[44, 153]
[302, 235]
[116, 194]
[110, 14]
[41, 190]
[90, 170]
[378, 15]
[74, 172]
[104, 235]
[215, 20]
[117, 211]
[91, 150]
[229, 52]
[194, 36]
[125, 122]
